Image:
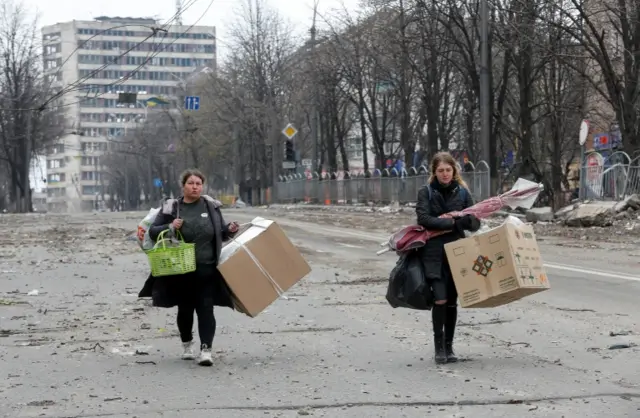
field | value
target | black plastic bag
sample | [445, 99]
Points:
[408, 287]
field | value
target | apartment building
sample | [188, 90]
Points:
[92, 62]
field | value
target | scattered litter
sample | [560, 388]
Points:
[622, 346]
[41, 403]
[575, 310]
[116, 350]
[9, 302]
[34, 292]
[94, 348]
[519, 343]
[619, 333]
[142, 351]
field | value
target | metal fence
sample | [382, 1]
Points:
[615, 182]
[613, 177]
[380, 187]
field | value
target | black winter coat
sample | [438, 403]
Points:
[162, 289]
[435, 200]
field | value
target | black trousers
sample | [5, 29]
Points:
[196, 295]
[445, 289]
[444, 317]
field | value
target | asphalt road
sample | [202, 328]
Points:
[84, 346]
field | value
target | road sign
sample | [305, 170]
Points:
[584, 132]
[157, 182]
[306, 162]
[289, 131]
[192, 103]
[288, 165]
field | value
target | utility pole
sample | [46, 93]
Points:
[485, 87]
[26, 206]
[314, 103]
[238, 164]
[125, 205]
[95, 175]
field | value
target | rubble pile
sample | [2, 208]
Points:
[591, 214]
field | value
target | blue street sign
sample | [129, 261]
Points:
[157, 183]
[192, 103]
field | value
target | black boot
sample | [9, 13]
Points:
[438, 315]
[449, 330]
[451, 356]
[441, 355]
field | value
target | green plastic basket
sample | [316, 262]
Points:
[169, 259]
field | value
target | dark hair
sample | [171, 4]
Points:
[191, 172]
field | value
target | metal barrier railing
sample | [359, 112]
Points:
[616, 182]
[605, 182]
[376, 189]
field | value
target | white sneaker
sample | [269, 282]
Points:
[187, 353]
[205, 358]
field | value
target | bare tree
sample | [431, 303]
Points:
[147, 152]
[609, 34]
[26, 126]
[261, 43]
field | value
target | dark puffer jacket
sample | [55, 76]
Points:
[435, 200]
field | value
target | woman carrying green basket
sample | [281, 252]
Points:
[186, 278]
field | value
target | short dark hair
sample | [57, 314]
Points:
[191, 172]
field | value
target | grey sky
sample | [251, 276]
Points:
[220, 14]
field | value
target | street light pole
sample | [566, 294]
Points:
[314, 105]
[485, 86]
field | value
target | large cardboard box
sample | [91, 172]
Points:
[259, 264]
[498, 266]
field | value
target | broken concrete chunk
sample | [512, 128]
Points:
[632, 202]
[591, 214]
[544, 214]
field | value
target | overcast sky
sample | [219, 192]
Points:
[218, 13]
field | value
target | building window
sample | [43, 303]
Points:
[59, 163]
[51, 49]
[56, 191]
[94, 146]
[90, 175]
[51, 36]
[55, 178]
[91, 190]
[92, 161]
[56, 149]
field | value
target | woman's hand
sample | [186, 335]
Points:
[468, 223]
[233, 227]
[177, 223]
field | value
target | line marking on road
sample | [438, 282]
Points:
[336, 232]
[574, 269]
[350, 245]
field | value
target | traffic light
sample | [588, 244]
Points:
[127, 98]
[289, 154]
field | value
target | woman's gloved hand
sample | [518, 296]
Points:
[467, 223]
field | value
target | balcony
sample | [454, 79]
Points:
[56, 199]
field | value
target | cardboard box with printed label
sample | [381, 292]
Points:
[259, 264]
[497, 267]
